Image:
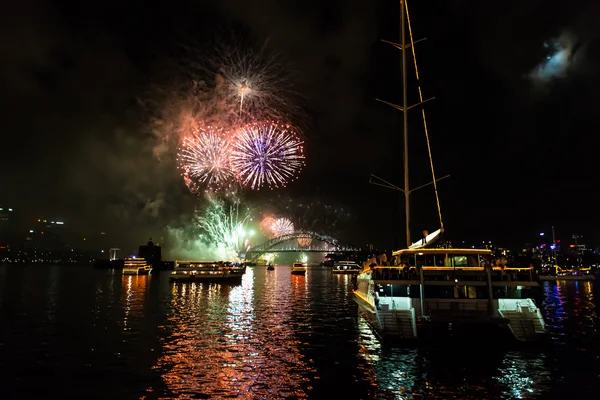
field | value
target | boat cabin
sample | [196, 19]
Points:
[205, 265]
[453, 273]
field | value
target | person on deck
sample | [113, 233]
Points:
[424, 240]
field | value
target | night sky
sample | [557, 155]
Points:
[519, 142]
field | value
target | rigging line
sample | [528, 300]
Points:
[412, 43]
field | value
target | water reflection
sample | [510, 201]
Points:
[133, 294]
[225, 341]
[391, 375]
[272, 336]
[571, 313]
[470, 371]
[523, 376]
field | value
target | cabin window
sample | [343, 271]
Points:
[458, 261]
[464, 261]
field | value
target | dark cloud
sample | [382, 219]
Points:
[510, 39]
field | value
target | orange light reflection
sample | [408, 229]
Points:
[227, 342]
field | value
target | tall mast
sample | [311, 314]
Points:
[404, 108]
[405, 120]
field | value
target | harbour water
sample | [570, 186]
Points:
[77, 332]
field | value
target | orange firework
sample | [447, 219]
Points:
[304, 240]
[266, 227]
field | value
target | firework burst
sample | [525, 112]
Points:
[304, 240]
[225, 226]
[326, 216]
[256, 81]
[282, 226]
[204, 160]
[266, 227]
[266, 155]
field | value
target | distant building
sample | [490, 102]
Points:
[47, 234]
[150, 252]
[8, 226]
[114, 253]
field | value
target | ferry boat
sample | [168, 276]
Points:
[206, 271]
[298, 268]
[573, 274]
[258, 263]
[433, 287]
[428, 288]
[136, 266]
[346, 267]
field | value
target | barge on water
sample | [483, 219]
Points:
[446, 288]
[299, 268]
[136, 266]
[207, 271]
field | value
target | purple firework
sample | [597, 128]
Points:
[266, 154]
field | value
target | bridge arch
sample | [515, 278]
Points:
[256, 251]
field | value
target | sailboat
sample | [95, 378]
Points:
[439, 290]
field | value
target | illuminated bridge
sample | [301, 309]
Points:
[284, 244]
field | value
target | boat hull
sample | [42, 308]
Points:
[298, 272]
[446, 329]
[513, 320]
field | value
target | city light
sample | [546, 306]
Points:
[542, 234]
